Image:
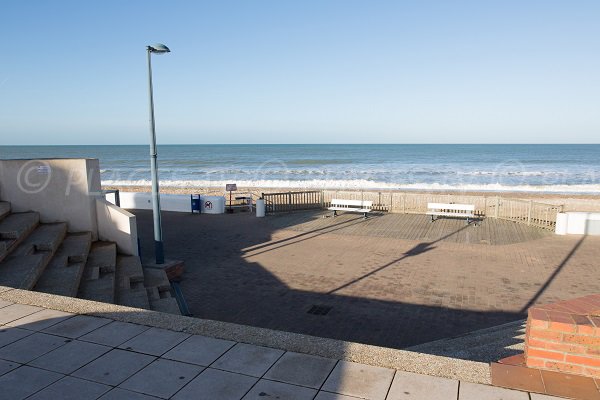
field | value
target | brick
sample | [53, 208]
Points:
[582, 307]
[560, 347]
[564, 367]
[537, 317]
[535, 362]
[595, 320]
[561, 322]
[592, 299]
[549, 355]
[594, 351]
[594, 372]
[584, 325]
[581, 339]
[587, 361]
[543, 334]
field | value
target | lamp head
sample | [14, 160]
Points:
[158, 48]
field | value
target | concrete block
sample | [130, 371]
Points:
[101, 289]
[103, 255]
[25, 381]
[114, 333]
[137, 298]
[199, 350]
[301, 369]
[102, 370]
[156, 278]
[248, 359]
[162, 378]
[359, 380]
[215, 384]
[46, 237]
[130, 267]
[409, 386]
[70, 357]
[155, 341]
[69, 388]
[277, 390]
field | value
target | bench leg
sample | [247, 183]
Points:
[365, 215]
[334, 213]
[432, 218]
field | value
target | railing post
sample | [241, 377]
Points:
[403, 203]
[496, 213]
[322, 199]
[529, 207]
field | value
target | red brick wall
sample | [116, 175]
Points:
[565, 336]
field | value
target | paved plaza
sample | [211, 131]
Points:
[51, 354]
[392, 280]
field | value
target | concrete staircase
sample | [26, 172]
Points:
[46, 258]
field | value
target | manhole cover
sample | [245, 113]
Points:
[319, 310]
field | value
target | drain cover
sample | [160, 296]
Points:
[319, 310]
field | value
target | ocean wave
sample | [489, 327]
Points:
[362, 184]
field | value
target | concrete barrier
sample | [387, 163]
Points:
[117, 225]
[578, 223]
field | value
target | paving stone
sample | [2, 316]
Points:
[359, 380]
[31, 347]
[155, 341]
[25, 381]
[4, 209]
[41, 320]
[410, 386]
[162, 378]
[301, 369]
[9, 335]
[114, 333]
[70, 357]
[215, 384]
[77, 326]
[6, 366]
[4, 303]
[248, 359]
[70, 388]
[122, 394]
[277, 390]
[536, 396]
[333, 396]
[16, 311]
[114, 367]
[200, 350]
[476, 391]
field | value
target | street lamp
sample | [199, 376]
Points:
[158, 242]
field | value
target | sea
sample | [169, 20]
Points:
[556, 168]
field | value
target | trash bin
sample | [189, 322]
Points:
[195, 200]
[260, 208]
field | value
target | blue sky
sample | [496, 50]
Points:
[74, 72]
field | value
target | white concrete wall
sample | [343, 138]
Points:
[168, 202]
[117, 225]
[578, 223]
[59, 189]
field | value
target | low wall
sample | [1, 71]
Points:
[117, 225]
[578, 223]
[59, 189]
[168, 202]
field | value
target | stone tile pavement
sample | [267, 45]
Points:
[47, 354]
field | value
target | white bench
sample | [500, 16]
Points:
[358, 206]
[451, 210]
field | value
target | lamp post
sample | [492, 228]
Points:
[158, 242]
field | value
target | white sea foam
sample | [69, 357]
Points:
[365, 184]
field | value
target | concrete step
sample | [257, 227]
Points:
[24, 266]
[156, 278]
[101, 289]
[63, 273]
[166, 305]
[130, 283]
[4, 209]
[102, 257]
[136, 297]
[98, 282]
[14, 228]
